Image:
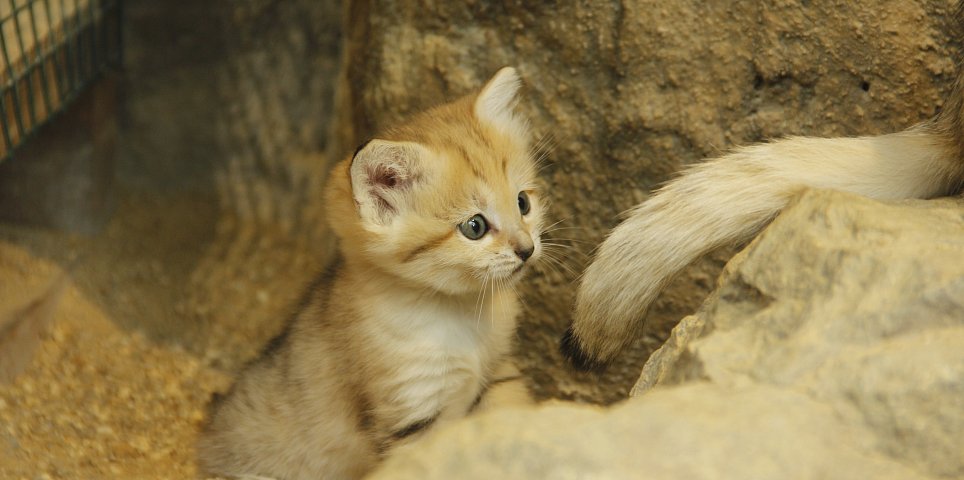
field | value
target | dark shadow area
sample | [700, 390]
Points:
[178, 191]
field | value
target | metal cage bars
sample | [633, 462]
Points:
[51, 50]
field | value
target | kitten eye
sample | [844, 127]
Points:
[474, 228]
[524, 203]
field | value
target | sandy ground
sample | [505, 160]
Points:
[158, 310]
[100, 402]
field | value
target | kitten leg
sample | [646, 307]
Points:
[729, 200]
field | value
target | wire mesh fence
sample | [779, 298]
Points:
[51, 50]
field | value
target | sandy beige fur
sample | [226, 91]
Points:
[416, 320]
[728, 200]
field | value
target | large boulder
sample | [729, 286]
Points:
[629, 92]
[832, 349]
[857, 304]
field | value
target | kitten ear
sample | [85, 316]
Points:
[381, 173]
[496, 100]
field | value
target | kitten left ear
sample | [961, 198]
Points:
[496, 100]
[382, 172]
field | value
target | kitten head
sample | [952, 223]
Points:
[447, 200]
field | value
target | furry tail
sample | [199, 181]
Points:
[730, 199]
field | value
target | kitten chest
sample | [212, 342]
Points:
[436, 358]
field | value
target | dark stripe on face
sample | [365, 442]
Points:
[414, 428]
[365, 419]
[427, 246]
[482, 138]
[468, 160]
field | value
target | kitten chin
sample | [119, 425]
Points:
[436, 218]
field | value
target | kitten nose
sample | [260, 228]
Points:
[522, 245]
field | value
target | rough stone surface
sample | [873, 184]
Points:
[856, 303]
[628, 92]
[222, 89]
[834, 348]
[694, 432]
[227, 106]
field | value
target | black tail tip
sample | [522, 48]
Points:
[579, 360]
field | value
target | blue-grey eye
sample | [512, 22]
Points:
[474, 228]
[524, 203]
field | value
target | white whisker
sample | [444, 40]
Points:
[560, 263]
[549, 228]
[550, 265]
[574, 240]
[492, 310]
[481, 302]
[564, 249]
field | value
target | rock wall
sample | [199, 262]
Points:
[833, 349]
[629, 92]
[221, 88]
[228, 104]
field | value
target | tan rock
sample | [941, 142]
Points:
[699, 431]
[857, 303]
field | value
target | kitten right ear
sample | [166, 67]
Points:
[381, 173]
[494, 104]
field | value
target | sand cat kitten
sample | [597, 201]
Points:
[730, 199]
[436, 219]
